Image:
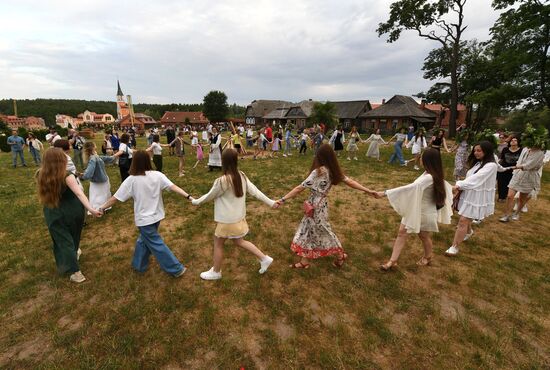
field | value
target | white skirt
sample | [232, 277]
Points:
[100, 192]
[477, 204]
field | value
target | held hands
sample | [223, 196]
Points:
[97, 212]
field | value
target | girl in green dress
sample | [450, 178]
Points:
[64, 204]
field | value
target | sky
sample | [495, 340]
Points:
[176, 51]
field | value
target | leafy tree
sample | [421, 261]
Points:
[517, 121]
[520, 42]
[324, 113]
[215, 106]
[430, 20]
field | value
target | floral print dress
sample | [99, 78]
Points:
[314, 237]
[461, 160]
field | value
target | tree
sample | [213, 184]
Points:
[324, 113]
[428, 19]
[520, 42]
[215, 106]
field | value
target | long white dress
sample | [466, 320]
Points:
[527, 180]
[215, 156]
[415, 203]
[477, 200]
[374, 147]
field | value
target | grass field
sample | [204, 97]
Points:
[486, 309]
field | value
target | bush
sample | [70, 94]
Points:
[517, 121]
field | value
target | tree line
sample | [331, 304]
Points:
[48, 108]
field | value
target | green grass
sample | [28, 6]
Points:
[488, 308]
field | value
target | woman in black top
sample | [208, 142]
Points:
[508, 158]
[438, 141]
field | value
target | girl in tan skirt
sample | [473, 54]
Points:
[229, 195]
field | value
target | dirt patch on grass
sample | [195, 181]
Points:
[283, 330]
[450, 309]
[34, 349]
[67, 323]
[33, 304]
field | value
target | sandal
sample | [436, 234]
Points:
[339, 262]
[388, 265]
[299, 265]
[424, 261]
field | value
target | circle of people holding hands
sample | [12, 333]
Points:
[515, 164]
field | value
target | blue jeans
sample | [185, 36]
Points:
[398, 153]
[288, 148]
[36, 156]
[149, 241]
[14, 154]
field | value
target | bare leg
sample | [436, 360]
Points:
[218, 253]
[399, 243]
[510, 202]
[523, 199]
[249, 247]
[464, 225]
[196, 164]
[426, 239]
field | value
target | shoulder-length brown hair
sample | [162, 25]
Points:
[50, 178]
[230, 159]
[326, 157]
[431, 160]
[141, 162]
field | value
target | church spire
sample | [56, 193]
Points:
[119, 92]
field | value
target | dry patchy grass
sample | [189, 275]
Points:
[488, 308]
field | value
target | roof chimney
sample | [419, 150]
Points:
[383, 101]
[423, 103]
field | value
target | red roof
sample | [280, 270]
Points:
[179, 117]
[375, 105]
[439, 107]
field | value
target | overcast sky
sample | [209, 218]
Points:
[166, 51]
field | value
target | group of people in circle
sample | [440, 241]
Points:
[423, 204]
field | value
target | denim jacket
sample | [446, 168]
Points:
[95, 171]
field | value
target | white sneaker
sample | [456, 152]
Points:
[416, 167]
[349, 159]
[284, 155]
[265, 263]
[77, 277]
[468, 235]
[504, 218]
[476, 222]
[452, 251]
[181, 272]
[211, 275]
[524, 209]
[78, 254]
[515, 217]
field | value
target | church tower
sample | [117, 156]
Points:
[122, 109]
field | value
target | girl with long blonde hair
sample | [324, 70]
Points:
[64, 203]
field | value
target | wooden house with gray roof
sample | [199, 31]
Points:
[399, 111]
[349, 113]
[258, 109]
[298, 114]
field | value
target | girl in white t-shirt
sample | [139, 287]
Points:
[229, 195]
[418, 144]
[156, 149]
[145, 186]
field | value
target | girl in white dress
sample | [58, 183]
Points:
[476, 193]
[100, 187]
[215, 156]
[418, 143]
[422, 204]
[229, 196]
[374, 148]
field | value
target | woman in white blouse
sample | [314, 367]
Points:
[422, 205]
[229, 195]
[476, 192]
[418, 143]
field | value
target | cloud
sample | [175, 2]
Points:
[174, 51]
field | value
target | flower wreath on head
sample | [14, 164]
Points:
[535, 137]
[487, 135]
[464, 133]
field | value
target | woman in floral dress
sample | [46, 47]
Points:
[375, 141]
[462, 152]
[314, 237]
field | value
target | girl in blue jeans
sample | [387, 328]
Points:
[145, 186]
[400, 140]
